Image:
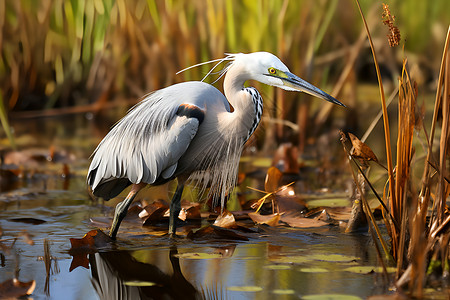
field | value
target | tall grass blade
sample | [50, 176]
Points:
[387, 136]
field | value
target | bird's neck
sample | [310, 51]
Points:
[233, 85]
[246, 112]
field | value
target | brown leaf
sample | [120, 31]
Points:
[225, 220]
[215, 232]
[288, 201]
[193, 212]
[361, 150]
[149, 209]
[301, 222]
[271, 220]
[88, 244]
[155, 216]
[273, 178]
[13, 288]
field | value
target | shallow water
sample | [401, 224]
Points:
[285, 262]
[281, 262]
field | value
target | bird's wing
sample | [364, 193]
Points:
[144, 146]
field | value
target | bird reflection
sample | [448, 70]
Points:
[118, 275]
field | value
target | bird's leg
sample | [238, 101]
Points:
[175, 208]
[122, 208]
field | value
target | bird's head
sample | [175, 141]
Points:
[269, 69]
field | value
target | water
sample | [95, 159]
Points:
[281, 262]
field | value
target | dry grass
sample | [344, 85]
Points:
[420, 241]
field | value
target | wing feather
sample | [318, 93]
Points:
[142, 147]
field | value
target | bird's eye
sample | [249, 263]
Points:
[272, 71]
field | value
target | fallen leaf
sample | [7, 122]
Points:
[13, 288]
[329, 202]
[278, 267]
[198, 255]
[215, 232]
[331, 296]
[150, 209]
[313, 270]
[193, 212]
[323, 216]
[301, 222]
[88, 244]
[155, 216]
[271, 220]
[283, 292]
[288, 201]
[225, 220]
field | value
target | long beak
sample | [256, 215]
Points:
[296, 83]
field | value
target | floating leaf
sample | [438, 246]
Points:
[198, 255]
[271, 220]
[301, 222]
[313, 270]
[283, 292]
[332, 257]
[292, 259]
[155, 215]
[278, 267]
[88, 244]
[150, 210]
[331, 297]
[215, 232]
[329, 202]
[249, 288]
[193, 212]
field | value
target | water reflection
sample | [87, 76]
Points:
[118, 275]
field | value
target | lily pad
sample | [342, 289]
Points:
[328, 202]
[198, 255]
[313, 270]
[250, 288]
[283, 292]
[332, 257]
[296, 259]
[331, 297]
[278, 267]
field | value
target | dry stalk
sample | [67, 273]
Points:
[392, 195]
